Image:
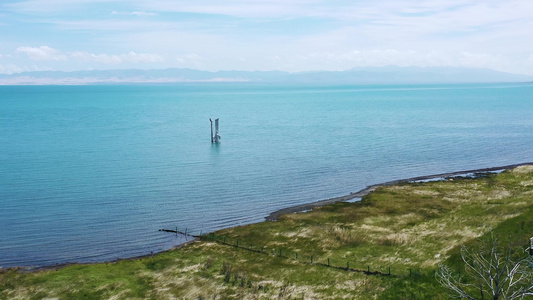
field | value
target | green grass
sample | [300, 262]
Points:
[409, 228]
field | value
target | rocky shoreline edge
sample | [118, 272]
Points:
[308, 206]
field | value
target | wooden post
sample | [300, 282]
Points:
[328, 262]
[217, 136]
[210, 120]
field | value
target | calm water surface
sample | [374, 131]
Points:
[90, 173]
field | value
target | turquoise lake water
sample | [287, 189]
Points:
[90, 173]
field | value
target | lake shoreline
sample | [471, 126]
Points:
[308, 206]
[293, 209]
[26, 269]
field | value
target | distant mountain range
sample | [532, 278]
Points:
[367, 75]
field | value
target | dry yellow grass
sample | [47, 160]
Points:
[527, 169]
[409, 226]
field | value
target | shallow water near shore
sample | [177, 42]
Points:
[90, 173]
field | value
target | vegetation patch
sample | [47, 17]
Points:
[388, 246]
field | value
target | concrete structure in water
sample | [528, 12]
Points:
[216, 137]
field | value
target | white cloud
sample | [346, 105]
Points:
[189, 57]
[10, 69]
[338, 61]
[296, 35]
[112, 26]
[236, 8]
[141, 57]
[483, 60]
[100, 58]
[47, 6]
[42, 53]
[239, 8]
[131, 57]
[134, 13]
[143, 14]
[193, 61]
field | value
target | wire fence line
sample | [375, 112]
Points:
[339, 264]
[346, 265]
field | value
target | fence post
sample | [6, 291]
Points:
[389, 270]
[237, 243]
[347, 266]
[328, 262]
[279, 252]
[296, 256]
[311, 259]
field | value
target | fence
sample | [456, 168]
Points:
[339, 264]
[298, 257]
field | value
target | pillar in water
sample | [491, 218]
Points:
[217, 136]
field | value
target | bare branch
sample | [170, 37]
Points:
[490, 270]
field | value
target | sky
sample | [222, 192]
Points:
[286, 35]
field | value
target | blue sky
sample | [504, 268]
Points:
[298, 35]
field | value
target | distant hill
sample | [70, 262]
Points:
[367, 75]
[391, 75]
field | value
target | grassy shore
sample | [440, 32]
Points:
[385, 247]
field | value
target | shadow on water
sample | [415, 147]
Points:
[215, 148]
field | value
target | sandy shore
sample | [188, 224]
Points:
[303, 207]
